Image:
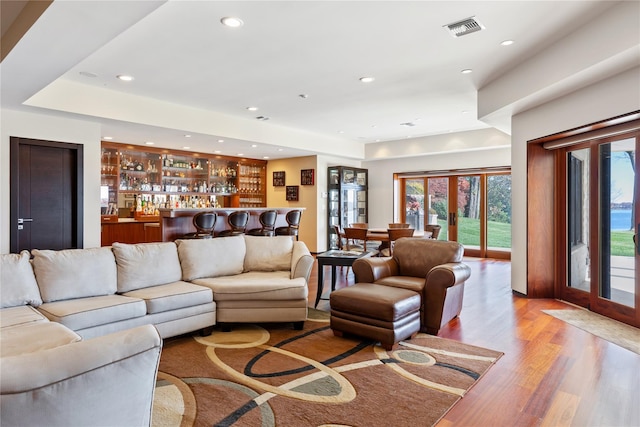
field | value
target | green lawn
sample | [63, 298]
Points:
[499, 235]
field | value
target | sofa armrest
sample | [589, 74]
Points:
[372, 269]
[301, 261]
[109, 380]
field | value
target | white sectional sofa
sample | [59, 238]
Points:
[83, 318]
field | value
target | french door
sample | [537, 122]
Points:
[599, 215]
[471, 208]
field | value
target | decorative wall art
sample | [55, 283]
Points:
[306, 177]
[278, 179]
[292, 193]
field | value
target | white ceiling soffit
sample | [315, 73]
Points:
[195, 76]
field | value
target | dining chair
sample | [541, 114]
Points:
[339, 237]
[237, 221]
[395, 234]
[359, 225]
[399, 225]
[267, 221]
[355, 239]
[204, 223]
[434, 229]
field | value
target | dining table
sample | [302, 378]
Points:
[382, 235]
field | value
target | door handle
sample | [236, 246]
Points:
[23, 220]
[452, 218]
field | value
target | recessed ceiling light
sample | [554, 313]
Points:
[217, 151]
[340, 131]
[265, 157]
[466, 71]
[232, 22]
[465, 112]
[280, 149]
[252, 108]
[254, 145]
[107, 137]
[367, 79]
[221, 140]
[124, 77]
[88, 74]
[187, 136]
[240, 154]
[507, 43]
[149, 142]
[186, 148]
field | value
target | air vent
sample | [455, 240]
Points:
[408, 124]
[262, 118]
[464, 27]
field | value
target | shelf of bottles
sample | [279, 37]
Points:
[143, 180]
[109, 182]
[251, 184]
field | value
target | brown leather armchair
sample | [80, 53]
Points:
[432, 268]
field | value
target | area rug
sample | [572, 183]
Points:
[619, 333]
[273, 375]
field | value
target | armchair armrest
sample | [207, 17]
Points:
[371, 269]
[301, 261]
[443, 294]
[108, 380]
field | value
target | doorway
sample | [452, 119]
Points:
[597, 203]
[471, 207]
[46, 193]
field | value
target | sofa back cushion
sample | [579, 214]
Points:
[268, 253]
[222, 256]
[416, 256]
[75, 273]
[146, 264]
[17, 283]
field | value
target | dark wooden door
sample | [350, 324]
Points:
[46, 195]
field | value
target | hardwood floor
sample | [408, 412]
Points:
[551, 374]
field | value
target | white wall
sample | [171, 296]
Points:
[608, 98]
[37, 126]
[475, 152]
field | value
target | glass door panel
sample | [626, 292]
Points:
[578, 235]
[468, 211]
[438, 205]
[499, 212]
[617, 225]
[414, 203]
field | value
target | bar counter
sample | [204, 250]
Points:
[176, 222]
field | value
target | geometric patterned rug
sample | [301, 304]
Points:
[273, 375]
[619, 333]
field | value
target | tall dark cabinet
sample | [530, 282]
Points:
[347, 199]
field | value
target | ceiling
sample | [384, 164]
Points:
[298, 62]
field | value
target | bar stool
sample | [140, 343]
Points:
[268, 221]
[204, 222]
[237, 220]
[293, 221]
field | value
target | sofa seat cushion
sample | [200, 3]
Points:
[256, 285]
[34, 337]
[84, 313]
[23, 315]
[415, 284]
[172, 296]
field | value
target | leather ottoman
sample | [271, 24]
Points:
[382, 313]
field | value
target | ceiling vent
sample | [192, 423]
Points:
[408, 124]
[464, 27]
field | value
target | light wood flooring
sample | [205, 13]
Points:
[551, 374]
